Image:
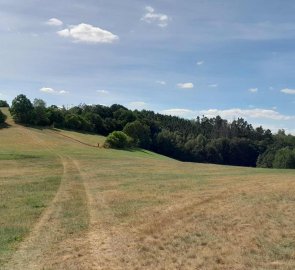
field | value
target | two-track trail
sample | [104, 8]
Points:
[122, 210]
[57, 240]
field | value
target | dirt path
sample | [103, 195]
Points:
[57, 240]
[98, 238]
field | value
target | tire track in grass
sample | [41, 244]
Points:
[56, 241]
[94, 237]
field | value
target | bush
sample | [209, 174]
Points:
[3, 103]
[117, 139]
[2, 117]
[284, 159]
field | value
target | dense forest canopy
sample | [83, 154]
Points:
[212, 140]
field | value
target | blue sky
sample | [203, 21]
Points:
[232, 58]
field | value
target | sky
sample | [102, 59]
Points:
[232, 58]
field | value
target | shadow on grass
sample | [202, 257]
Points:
[138, 150]
[5, 125]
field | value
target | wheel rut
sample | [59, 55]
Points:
[57, 240]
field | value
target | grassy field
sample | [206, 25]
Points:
[65, 204]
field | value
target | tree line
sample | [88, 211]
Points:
[210, 140]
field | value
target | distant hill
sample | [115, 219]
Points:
[206, 140]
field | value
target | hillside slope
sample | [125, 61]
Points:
[67, 205]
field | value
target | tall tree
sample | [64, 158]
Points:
[40, 114]
[22, 110]
[140, 133]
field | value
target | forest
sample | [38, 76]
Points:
[204, 140]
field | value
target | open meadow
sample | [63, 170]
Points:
[67, 204]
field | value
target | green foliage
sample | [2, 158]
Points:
[74, 121]
[123, 116]
[265, 160]
[40, 117]
[204, 139]
[55, 116]
[140, 134]
[95, 122]
[117, 139]
[284, 159]
[4, 104]
[22, 110]
[3, 117]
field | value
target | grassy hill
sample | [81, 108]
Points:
[68, 204]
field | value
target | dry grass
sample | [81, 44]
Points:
[137, 210]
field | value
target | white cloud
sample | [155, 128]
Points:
[49, 90]
[62, 92]
[87, 33]
[105, 92]
[178, 112]
[54, 22]
[187, 85]
[139, 105]
[161, 82]
[157, 18]
[199, 63]
[288, 91]
[251, 113]
[150, 9]
[231, 114]
[253, 90]
[213, 85]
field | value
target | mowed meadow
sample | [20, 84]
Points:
[66, 203]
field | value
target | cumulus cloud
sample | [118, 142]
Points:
[88, 34]
[105, 92]
[49, 90]
[157, 18]
[253, 90]
[288, 91]
[54, 22]
[161, 82]
[187, 85]
[199, 63]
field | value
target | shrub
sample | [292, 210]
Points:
[284, 159]
[3, 103]
[117, 139]
[2, 117]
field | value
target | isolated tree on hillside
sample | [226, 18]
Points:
[22, 110]
[117, 139]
